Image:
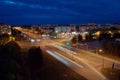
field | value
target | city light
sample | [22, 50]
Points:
[100, 50]
[32, 40]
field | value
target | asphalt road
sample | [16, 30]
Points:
[83, 62]
[75, 63]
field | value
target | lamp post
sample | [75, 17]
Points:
[100, 50]
[103, 62]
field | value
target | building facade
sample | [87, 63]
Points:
[5, 29]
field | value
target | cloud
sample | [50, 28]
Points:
[63, 10]
[49, 9]
[27, 5]
[10, 2]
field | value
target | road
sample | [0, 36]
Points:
[76, 64]
[73, 62]
[83, 62]
[96, 60]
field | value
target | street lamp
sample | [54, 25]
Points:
[100, 50]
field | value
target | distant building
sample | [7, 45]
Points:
[5, 28]
[58, 29]
[117, 26]
[83, 27]
[106, 26]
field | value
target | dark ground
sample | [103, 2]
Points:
[55, 70]
[52, 69]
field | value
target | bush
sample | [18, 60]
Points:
[35, 58]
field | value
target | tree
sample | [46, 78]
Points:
[16, 34]
[5, 39]
[35, 58]
[101, 37]
[111, 48]
[79, 38]
[104, 45]
[104, 36]
[116, 35]
[107, 35]
[117, 50]
[11, 67]
[13, 50]
[88, 37]
[74, 40]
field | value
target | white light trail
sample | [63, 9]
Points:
[57, 57]
[63, 59]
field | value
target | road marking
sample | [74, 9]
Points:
[63, 59]
[62, 48]
[57, 57]
[92, 68]
[70, 60]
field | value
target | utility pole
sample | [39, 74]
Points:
[103, 62]
[113, 65]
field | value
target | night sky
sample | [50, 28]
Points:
[20, 12]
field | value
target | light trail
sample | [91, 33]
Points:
[76, 66]
[57, 57]
[97, 72]
[70, 60]
[104, 78]
[63, 59]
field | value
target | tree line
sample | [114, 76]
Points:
[111, 47]
[12, 64]
[90, 37]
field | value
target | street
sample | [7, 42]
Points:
[83, 62]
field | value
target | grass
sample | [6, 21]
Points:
[111, 74]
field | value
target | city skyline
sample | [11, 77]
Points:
[21, 12]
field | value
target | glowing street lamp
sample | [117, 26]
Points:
[100, 50]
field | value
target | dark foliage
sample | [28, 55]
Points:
[4, 38]
[111, 47]
[12, 50]
[16, 34]
[104, 36]
[89, 37]
[35, 58]
[74, 40]
[11, 67]
[116, 35]
[79, 38]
